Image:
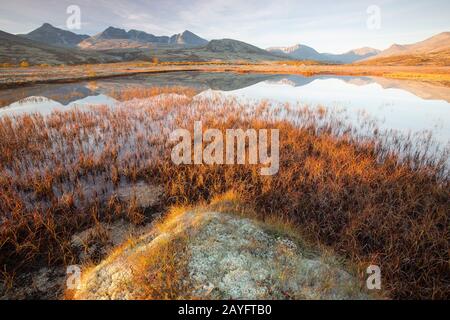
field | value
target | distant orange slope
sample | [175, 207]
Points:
[435, 58]
[432, 51]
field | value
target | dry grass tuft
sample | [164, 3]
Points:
[163, 274]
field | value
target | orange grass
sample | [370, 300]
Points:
[17, 76]
[60, 174]
[141, 93]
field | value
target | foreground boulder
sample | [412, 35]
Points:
[215, 255]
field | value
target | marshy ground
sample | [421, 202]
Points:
[370, 199]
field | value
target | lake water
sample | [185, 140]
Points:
[405, 106]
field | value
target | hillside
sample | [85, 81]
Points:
[432, 51]
[435, 58]
[113, 44]
[436, 43]
[15, 49]
[229, 49]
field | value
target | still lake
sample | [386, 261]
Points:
[399, 105]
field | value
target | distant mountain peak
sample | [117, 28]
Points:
[364, 51]
[292, 49]
[114, 33]
[397, 46]
[47, 27]
[187, 38]
[188, 33]
[54, 36]
[298, 51]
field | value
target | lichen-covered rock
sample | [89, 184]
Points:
[225, 257]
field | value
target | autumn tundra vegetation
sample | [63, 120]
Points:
[16, 76]
[219, 250]
[372, 197]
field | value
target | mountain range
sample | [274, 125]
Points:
[113, 38]
[51, 45]
[120, 45]
[302, 52]
[54, 36]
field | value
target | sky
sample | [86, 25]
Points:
[326, 25]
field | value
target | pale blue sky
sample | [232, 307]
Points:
[326, 25]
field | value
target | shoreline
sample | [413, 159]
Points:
[17, 77]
